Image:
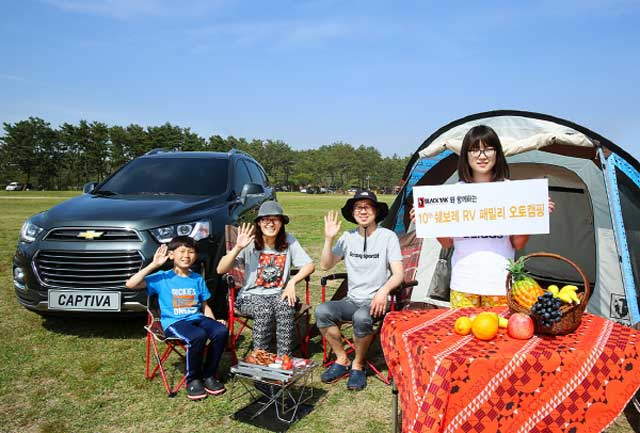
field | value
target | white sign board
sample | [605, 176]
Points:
[482, 209]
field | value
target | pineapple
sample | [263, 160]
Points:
[524, 289]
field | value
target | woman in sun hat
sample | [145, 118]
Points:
[268, 295]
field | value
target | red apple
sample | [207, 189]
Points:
[520, 326]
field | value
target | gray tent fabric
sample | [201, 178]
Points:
[582, 227]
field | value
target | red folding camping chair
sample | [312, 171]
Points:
[238, 322]
[172, 345]
[400, 298]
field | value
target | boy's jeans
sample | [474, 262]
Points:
[196, 333]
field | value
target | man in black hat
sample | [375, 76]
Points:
[374, 267]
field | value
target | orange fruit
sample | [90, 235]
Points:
[490, 314]
[462, 325]
[485, 327]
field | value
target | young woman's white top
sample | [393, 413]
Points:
[479, 264]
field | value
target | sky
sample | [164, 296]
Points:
[378, 73]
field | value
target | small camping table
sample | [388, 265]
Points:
[451, 383]
[286, 390]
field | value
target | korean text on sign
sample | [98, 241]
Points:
[482, 209]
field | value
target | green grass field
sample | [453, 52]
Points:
[87, 375]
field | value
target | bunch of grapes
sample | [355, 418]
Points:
[548, 309]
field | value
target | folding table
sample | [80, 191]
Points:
[285, 390]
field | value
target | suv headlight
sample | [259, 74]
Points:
[29, 232]
[196, 230]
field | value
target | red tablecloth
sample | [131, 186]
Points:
[449, 383]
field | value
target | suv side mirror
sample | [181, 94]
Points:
[88, 187]
[250, 189]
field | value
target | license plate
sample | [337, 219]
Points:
[84, 300]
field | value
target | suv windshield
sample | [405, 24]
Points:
[183, 176]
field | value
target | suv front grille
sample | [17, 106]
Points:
[95, 234]
[86, 269]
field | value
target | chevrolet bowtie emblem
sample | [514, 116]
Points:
[90, 234]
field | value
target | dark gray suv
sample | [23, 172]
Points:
[76, 256]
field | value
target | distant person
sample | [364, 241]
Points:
[374, 268]
[184, 313]
[479, 263]
[268, 295]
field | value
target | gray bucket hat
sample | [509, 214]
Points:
[271, 208]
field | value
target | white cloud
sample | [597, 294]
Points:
[8, 77]
[275, 33]
[126, 9]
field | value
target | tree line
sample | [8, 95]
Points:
[32, 152]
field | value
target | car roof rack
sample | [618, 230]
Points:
[160, 150]
[239, 152]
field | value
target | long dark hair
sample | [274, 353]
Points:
[281, 237]
[477, 135]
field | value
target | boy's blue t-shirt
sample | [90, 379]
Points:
[179, 297]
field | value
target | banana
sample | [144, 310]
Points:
[553, 289]
[574, 296]
[565, 297]
[568, 294]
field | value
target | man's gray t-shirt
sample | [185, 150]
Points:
[367, 270]
[267, 271]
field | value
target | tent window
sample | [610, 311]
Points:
[630, 204]
[572, 234]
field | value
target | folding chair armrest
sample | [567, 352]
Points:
[396, 294]
[231, 286]
[404, 285]
[307, 280]
[228, 279]
[293, 272]
[330, 277]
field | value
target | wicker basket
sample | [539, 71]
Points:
[571, 313]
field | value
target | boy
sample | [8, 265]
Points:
[374, 267]
[184, 313]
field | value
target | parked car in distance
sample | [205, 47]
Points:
[14, 186]
[76, 256]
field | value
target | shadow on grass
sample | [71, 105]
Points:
[268, 419]
[91, 327]
[632, 413]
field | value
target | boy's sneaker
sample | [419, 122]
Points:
[357, 380]
[213, 387]
[195, 390]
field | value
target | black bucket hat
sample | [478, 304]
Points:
[271, 208]
[382, 210]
